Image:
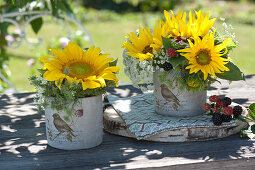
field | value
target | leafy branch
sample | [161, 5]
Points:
[250, 131]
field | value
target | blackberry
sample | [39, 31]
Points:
[237, 110]
[226, 101]
[217, 119]
[212, 105]
[226, 118]
[167, 66]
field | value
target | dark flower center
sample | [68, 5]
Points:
[147, 49]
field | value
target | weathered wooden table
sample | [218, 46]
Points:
[23, 143]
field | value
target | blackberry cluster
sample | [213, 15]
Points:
[226, 118]
[221, 109]
[237, 111]
[217, 119]
[226, 101]
[167, 66]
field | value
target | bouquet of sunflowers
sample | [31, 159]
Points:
[73, 73]
[185, 43]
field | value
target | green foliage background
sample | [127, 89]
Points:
[108, 29]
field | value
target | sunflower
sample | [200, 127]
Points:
[177, 25]
[90, 68]
[140, 46]
[201, 25]
[198, 24]
[159, 31]
[204, 56]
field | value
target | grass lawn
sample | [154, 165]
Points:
[109, 36]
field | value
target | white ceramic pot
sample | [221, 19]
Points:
[171, 101]
[83, 130]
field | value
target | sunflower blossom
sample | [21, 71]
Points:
[90, 68]
[160, 30]
[197, 25]
[140, 46]
[205, 56]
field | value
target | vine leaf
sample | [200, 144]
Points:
[248, 132]
[234, 73]
[251, 112]
[37, 24]
[177, 61]
[253, 129]
[167, 43]
[231, 45]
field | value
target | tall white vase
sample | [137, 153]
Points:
[171, 101]
[84, 128]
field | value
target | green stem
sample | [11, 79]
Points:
[248, 118]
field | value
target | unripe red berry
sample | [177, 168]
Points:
[213, 98]
[214, 110]
[227, 110]
[172, 53]
[207, 106]
[219, 103]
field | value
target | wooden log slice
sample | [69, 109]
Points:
[114, 124]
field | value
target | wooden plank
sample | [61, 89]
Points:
[26, 148]
[130, 154]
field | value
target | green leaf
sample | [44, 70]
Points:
[176, 61]
[54, 7]
[242, 118]
[58, 83]
[67, 71]
[36, 24]
[247, 133]
[4, 28]
[253, 128]
[167, 43]
[20, 3]
[66, 118]
[252, 107]
[113, 63]
[67, 8]
[231, 45]
[41, 71]
[234, 73]
[251, 111]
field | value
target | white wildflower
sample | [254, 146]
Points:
[222, 19]
[225, 25]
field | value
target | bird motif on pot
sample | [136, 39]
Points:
[62, 126]
[169, 97]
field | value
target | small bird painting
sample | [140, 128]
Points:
[61, 125]
[169, 96]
